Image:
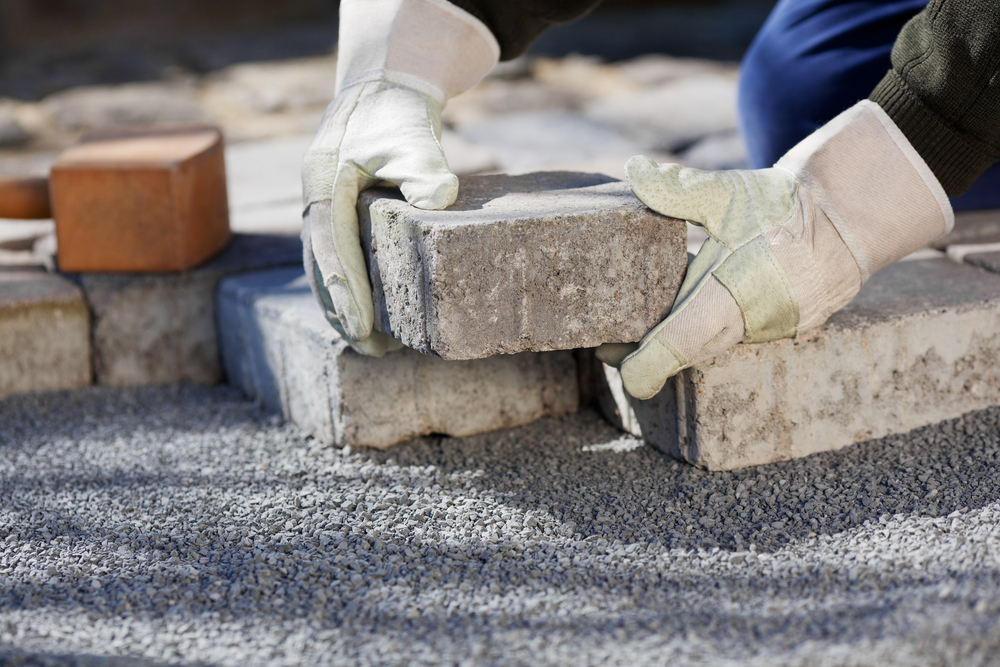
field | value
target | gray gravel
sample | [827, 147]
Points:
[184, 525]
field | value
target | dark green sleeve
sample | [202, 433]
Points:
[516, 23]
[943, 90]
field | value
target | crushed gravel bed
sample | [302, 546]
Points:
[184, 525]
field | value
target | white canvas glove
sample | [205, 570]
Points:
[398, 62]
[789, 245]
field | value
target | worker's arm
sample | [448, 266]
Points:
[792, 244]
[398, 62]
[943, 91]
[517, 23]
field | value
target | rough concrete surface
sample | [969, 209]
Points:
[984, 260]
[278, 348]
[160, 328]
[44, 333]
[918, 345]
[544, 261]
[184, 526]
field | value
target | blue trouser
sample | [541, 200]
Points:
[813, 59]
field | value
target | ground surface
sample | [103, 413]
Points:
[183, 525]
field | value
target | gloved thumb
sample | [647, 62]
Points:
[703, 326]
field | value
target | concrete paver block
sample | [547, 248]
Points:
[535, 139]
[160, 328]
[673, 115]
[984, 260]
[972, 227]
[918, 345]
[544, 261]
[278, 348]
[141, 199]
[44, 333]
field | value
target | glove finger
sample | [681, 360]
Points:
[613, 354]
[703, 326]
[698, 196]
[337, 246]
[377, 344]
[422, 174]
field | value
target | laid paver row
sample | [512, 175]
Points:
[920, 344]
[67, 331]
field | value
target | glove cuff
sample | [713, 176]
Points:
[877, 191]
[429, 45]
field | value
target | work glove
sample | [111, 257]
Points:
[788, 246]
[398, 62]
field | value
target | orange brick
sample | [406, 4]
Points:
[142, 199]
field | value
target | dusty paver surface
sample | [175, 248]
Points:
[184, 525]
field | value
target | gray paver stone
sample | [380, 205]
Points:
[673, 115]
[44, 333]
[984, 260]
[160, 328]
[531, 140]
[544, 261]
[972, 227]
[918, 345]
[278, 348]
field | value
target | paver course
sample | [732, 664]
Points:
[972, 227]
[185, 525]
[544, 261]
[277, 347]
[44, 332]
[160, 328]
[919, 344]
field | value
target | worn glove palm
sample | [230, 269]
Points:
[788, 245]
[398, 62]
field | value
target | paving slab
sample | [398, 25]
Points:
[972, 227]
[918, 345]
[44, 333]
[278, 348]
[535, 139]
[984, 260]
[544, 261]
[674, 115]
[160, 328]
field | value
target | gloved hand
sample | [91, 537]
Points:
[789, 245]
[398, 62]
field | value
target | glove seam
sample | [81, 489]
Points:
[397, 78]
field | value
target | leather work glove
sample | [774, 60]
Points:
[398, 62]
[788, 246]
